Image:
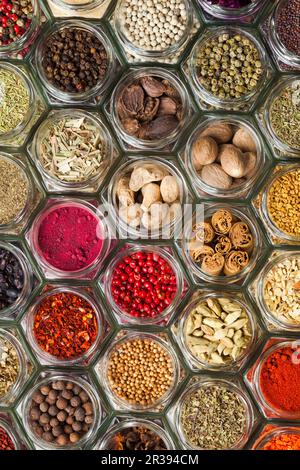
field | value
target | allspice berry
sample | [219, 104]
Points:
[204, 152]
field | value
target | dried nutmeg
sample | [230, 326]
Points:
[215, 176]
[204, 151]
[250, 159]
[232, 161]
[244, 141]
[220, 132]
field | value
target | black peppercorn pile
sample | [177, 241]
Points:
[61, 412]
[74, 60]
[136, 438]
[11, 278]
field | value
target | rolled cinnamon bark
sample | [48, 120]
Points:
[223, 245]
[199, 251]
[235, 262]
[203, 232]
[213, 264]
[241, 237]
[222, 221]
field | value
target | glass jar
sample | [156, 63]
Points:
[121, 426]
[274, 432]
[7, 337]
[39, 442]
[88, 271]
[276, 261]
[267, 407]
[10, 431]
[205, 383]
[281, 148]
[124, 170]
[18, 221]
[8, 312]
[81, 8]
[235, 191]
[195, 362]
[27, 38]
[125, 316]
[44, 356]
[103, 367]
[90, 184]
[132, 76]
[80, 97]
[20, 74]
[272, 227]
[245, 13]
[278, 48]
[144, 54]
[221, 279]
[207, 99]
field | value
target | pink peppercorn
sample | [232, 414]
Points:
[143, 284]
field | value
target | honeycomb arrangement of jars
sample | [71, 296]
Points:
[150, 224]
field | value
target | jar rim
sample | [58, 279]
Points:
[277, 430]
[285, 55]
[11, 433]
[90, 5]
[225, 13]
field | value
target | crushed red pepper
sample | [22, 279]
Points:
[5, 441]
[65, 325]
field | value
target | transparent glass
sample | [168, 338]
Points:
[232, 14]
[87, 95]
[274, 432]
[222, 279]
[56, 116]
[175, 266]
[134, 75]
[38, 442]
[238, 122]
[53, 205]
[15, 389]
[4, 424]
[181, 333]
[144, 54]
[102, 371]
[8, 312]
[125, 169]
[49, 358]
[206, 383]
[78, 6]
[210, 99]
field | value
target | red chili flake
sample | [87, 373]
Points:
[5, 441]
[65, 325]
[143, 284]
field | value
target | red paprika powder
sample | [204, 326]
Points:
[283, 442]
[5, 441]
[65, 325]
[280, 380]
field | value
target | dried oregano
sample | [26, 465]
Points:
[14, 190]
[14, 100]
[9, 366]
[213, 417]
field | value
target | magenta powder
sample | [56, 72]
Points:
[68, 238]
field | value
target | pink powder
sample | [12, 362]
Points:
[68, 238]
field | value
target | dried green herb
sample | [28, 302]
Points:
[73, 150]
[213, 417]
[14, 100]
[285, 115]
[14, 190]
[9, 366]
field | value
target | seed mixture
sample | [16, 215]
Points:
[213, 417]
[282, 290]
[217, 331]
[288, 25]
[11, 278]
[283, 203]
[140, 371]
[9, 366]
[14, 190]
[14, 100]
[16, 19]
[136, 438]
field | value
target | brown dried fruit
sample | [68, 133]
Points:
[150, 109]
[159, 128]
[132, 100]
[167, 106]
[220, 132]
[171, 91]
[131, 126]
[153, 87]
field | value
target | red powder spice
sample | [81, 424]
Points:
[65, 325]
[5, 441]
[280, 380]
[283, 442]
[68, 238]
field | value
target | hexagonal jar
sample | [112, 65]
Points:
[244, 100]
[132, 219]
[275, 291]
[211, 385]
[160, 254]
[119, 426]
[206, 310]
[83, 383]
[175, 94]
[210, 242]
[73, 348]
[278, 437]
[244, 13]
[87, 242]
[105, 371]
[7, 427]
[223, 130]
[58, 173]
[274, 377]
[79, 8]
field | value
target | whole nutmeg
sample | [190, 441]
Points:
[221, 132]
[244, 141]
[232, 161]
[250, 159]
[215, 176]
[204, 152]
